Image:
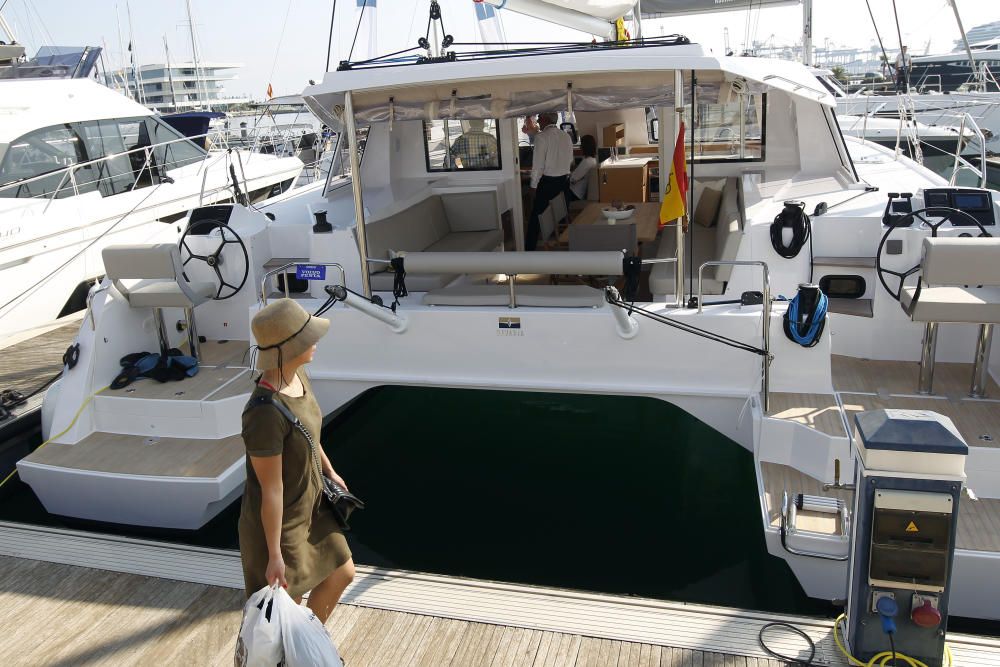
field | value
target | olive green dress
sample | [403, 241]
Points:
[312, 543]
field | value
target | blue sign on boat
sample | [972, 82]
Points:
[310, 272]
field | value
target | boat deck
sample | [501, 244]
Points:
[864, 384]
[114, 453]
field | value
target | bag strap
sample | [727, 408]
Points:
[268, 399]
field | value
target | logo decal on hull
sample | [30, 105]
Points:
[509, 326]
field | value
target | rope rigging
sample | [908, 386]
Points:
[682, 326]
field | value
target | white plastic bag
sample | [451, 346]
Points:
[305, 640]
[259, 641]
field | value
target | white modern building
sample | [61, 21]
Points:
[181, 87]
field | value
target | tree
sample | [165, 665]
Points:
[840, 74]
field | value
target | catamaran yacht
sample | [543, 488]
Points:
[416, 258]
[83, 167]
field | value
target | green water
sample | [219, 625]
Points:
[612, 494]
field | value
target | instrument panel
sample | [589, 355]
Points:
[975, 201]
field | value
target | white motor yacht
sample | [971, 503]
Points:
[83, 167]
[441, 242]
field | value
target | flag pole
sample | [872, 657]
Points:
[679, 265]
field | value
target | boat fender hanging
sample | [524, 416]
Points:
[792, 219]
[805, 318]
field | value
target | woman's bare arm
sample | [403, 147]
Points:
[268, 471]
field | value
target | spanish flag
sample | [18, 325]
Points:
[675, 197]
[270, 92]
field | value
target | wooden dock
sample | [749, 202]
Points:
[143, 602]
[31, 359]
[63, 615]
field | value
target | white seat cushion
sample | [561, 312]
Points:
[661, 277]
[164, 294]
[975, 305]
[468, 242]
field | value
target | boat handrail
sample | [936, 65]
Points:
[925, 82]
[960, 162]
[766, 327]
[284, 268]
[797, 85]
[69, 171]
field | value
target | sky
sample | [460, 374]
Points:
[284, 42]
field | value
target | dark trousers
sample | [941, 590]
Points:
[548, 189]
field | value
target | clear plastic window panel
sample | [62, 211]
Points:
[462, 145]
[730, 131]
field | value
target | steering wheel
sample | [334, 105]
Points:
[947, 214]
[216, 259]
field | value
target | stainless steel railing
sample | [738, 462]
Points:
[765, 328]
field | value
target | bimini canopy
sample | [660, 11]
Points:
[612, 9]
[578, 80]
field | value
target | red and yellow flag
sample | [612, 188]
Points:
[675, 197]
[270, 92]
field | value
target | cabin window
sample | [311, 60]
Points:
[114, 174]
[462, 145]
[718, 133]
[176, 150]
[28, 158]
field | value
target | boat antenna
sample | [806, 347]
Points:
[140, 94]
[329, 41]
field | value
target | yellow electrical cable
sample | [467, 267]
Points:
[881, 659]
[59, 435]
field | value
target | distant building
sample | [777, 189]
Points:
[180, 88]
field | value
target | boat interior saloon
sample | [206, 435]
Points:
[803, 287]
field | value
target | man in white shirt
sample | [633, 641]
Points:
[550, 166]
[904, 61]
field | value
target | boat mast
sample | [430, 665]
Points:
[170, 75]
[965, 40]
[807, 32]
[194, 56]
[140, 94]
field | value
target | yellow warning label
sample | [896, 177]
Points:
[912, 528]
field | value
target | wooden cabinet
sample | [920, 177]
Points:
[625, 179]
[613, 135]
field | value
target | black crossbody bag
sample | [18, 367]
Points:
[341, 500]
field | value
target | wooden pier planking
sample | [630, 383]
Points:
[29, 363]
[62, 615]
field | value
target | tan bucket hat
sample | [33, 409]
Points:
[284, 330]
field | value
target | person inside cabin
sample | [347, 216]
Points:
[476, 148]
[288, 532]
[530, 129]
[550, 167]
[581, 175]
[904, 61]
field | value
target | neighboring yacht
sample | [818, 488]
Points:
[412, 228]
[83, 167]
[934, 121]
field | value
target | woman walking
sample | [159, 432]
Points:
[288, 532]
